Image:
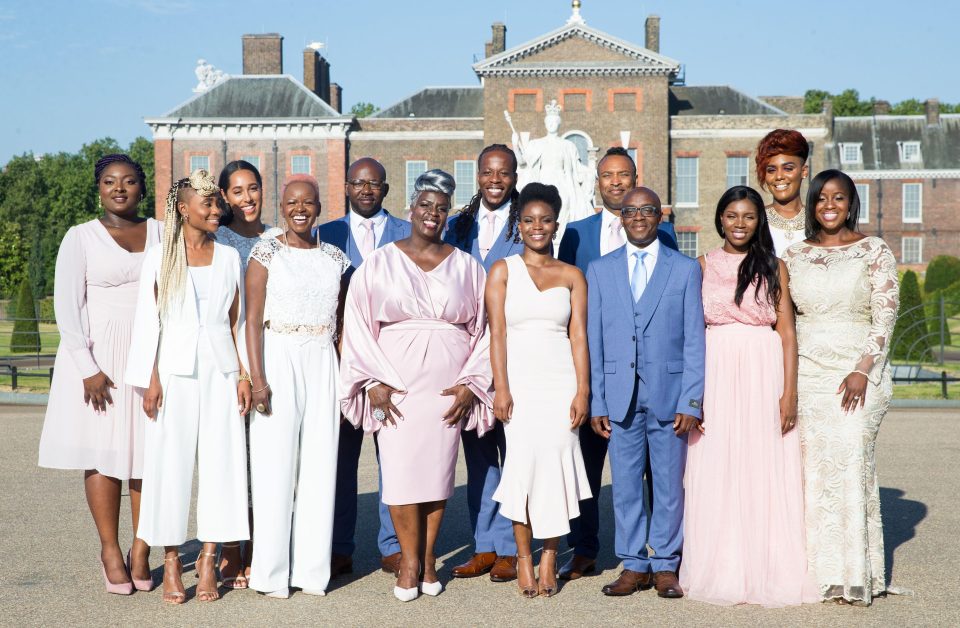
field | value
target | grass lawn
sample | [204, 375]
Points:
[49, 339]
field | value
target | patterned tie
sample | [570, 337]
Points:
[615, 238]
[638, 278]
[488, 234]
[367, 245]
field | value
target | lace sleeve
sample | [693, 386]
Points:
[264, 250]
[884, 302]
[338, 256]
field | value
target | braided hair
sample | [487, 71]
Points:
[760, 266]
[468, 215]
[120, 158]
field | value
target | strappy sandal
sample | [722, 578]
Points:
[528, 592]
[206, 595]
[173, 597]
[546, 590]
[233, 582]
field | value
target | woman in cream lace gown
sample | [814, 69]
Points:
[845, 289]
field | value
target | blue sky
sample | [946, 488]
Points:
[78, 70]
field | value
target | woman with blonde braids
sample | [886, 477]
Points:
[185, 354]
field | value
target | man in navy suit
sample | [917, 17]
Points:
[481, 230]
[366, 227]
[584, 241]
[646, 335]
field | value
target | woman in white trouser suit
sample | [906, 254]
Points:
[294, 283]
[184, 352]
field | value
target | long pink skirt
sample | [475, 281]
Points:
[743, 519]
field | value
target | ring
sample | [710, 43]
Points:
[379, 415]
[261, 408]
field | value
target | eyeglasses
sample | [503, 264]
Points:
[359, 184]
[647, 211]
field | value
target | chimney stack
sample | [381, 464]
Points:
[881, 108]
[316, 73]
[652, 27]
[932, 108]
[263, 54]
[499, 41]
[336, 97]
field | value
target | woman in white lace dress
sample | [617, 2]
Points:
[241, 227]
[844, 285]
[294, 288]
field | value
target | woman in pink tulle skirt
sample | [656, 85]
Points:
[743, 525]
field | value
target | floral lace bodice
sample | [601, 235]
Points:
[719, 288]
[303, 287]
[847, 299]
[226, 235]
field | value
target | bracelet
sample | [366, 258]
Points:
[262, 389]
[245, 377]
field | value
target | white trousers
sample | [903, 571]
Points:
[293, 465]
[200, 407]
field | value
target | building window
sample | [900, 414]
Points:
[415, 168]
[851, 153]
[737, 171]
[687, 243]
[863, 191]
[633, 155]
[465, 173]
[912, 202]
[300, 164]
[909, 152]
[911, 250]
[687, 180]
[253, 160]
[199, 162]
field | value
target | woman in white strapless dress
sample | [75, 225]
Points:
[537, 310]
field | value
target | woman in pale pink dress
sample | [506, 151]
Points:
[94, 420]
[743, 518]
[414, 367]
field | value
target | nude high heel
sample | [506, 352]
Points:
[546, 590]
[139, 585]
[173, 597]
[123, 588]
[526, 591]
[207, 595]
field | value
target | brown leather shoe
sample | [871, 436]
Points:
[667, 584]
[577, 567]
[628, 582]
[478, 565]
[340, 564]
[391, 564]
[505, 569]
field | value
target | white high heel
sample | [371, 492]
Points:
[279, 594]
[406, 595]
[432, 589]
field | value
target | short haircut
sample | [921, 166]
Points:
[533, 192]
[435, 180]
[301, 178]
[813, 227]
[780, 142]
[618, 151]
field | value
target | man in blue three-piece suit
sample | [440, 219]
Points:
[584, 241]
[366, 227]
[481, 230]
[646, 335]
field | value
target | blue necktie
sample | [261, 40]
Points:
[638, 278]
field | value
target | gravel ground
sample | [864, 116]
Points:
[49, 571]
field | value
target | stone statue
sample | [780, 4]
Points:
[207, 76]
[556, 161]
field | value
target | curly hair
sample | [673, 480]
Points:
[533, 192]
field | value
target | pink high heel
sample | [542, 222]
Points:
[139, 585]
[124, 588]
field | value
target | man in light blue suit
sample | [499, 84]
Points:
[584, 241]
[481, 230]
[366, 227]
[646, 336]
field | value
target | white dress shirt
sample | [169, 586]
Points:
[649, 262]
[379, 223]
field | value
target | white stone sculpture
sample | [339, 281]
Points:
[207, 76]
[555, 161]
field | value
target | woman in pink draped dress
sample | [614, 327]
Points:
[414, 366]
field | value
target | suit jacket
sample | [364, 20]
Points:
[175, 349]
[673, 337]
[580, 244]
[501, 247]
[337, 232]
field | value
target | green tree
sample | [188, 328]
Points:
[909, 107]
[813, 100]
[141, 151]
[848, 103]
[26, 331]
[12, 268]
[364, 109]
[943, 271]
[910, 341]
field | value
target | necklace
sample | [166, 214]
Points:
[787, 225]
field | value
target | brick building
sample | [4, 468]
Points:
[690, 142]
